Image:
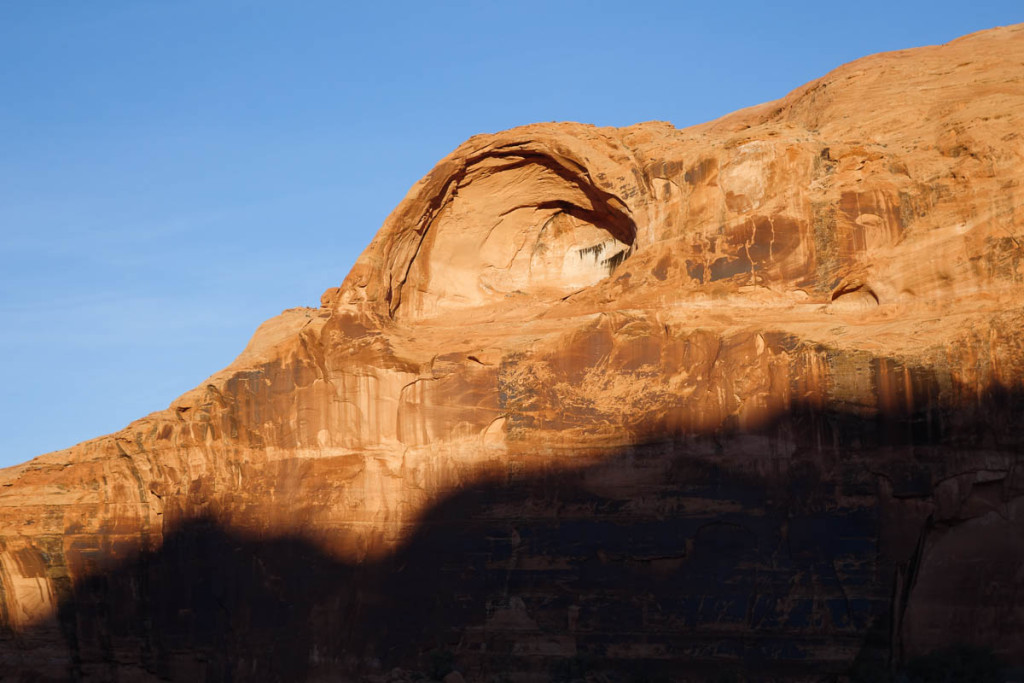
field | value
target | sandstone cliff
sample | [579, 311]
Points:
[741, 397]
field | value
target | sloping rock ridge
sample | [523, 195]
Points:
[743, 399]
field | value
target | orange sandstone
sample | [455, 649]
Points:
[744, 395]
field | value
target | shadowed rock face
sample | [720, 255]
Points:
[740, 398]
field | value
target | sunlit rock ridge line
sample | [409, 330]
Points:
[744, 397]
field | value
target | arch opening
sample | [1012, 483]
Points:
[514, 228]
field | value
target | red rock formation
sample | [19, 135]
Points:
[741, 396]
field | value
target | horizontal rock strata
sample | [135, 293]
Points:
[740, 398]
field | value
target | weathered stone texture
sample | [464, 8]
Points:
[741, 397]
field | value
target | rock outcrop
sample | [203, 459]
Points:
[741, 398]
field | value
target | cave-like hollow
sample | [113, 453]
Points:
[511, 228]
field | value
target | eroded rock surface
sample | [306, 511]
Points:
[744, 397]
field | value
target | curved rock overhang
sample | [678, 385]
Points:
[503, 219]
[791, 472]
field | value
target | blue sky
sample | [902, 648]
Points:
[174, 173]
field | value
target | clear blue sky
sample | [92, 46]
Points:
[174, 173]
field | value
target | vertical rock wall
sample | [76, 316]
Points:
[741, 399]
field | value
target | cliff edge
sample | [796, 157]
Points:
[740, 397]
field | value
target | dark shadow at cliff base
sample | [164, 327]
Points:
[806, 551]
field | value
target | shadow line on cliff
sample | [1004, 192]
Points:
[786, 553]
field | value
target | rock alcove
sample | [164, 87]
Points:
[511, 226]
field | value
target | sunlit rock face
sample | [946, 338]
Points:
[743, 398]
[513, 224]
